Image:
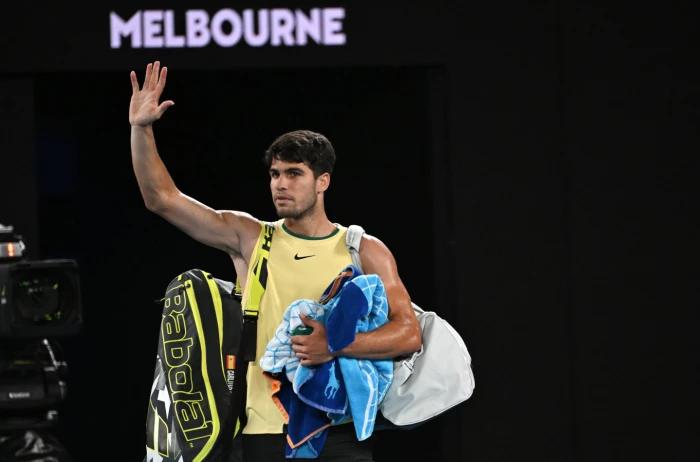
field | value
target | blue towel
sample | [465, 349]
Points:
[306, 429]
[343, 388]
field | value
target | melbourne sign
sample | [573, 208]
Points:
[228, 28]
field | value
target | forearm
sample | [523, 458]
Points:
[391, 340]
[152, 176]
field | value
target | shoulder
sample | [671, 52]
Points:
[374, 254]
[246, 227]
[243, 222]
[372, 244]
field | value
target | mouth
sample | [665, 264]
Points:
[283, 199]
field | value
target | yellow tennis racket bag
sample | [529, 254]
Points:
[190, 414]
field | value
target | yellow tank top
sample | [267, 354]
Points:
[299, 267]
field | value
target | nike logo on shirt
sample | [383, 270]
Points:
[297, 257]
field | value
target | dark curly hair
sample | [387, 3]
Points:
[311, 148]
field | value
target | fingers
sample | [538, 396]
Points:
[153, 80]
[308, 361]
[150, 81]
[161, 81]
[308, 357]
[134, 82]
[154, 75]
[301, 352]
[147, 78]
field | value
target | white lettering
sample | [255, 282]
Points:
[120, 28]
[308, 26]
[281, 25]
[257, 27]
[152, 28]
[217, 22]
[198, 34]
[251, 38]
[172, 40]
[333, 26]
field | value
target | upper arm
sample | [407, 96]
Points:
[230, 231]
[377, 259]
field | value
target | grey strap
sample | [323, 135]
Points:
[353, 239]
[227, 286]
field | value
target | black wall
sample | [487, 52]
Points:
[630, 135]
[532, 167]
[18, 187]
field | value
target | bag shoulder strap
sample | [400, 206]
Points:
[255, 285]
[353, 239]
[255, 288]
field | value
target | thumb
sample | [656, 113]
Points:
[164, 106]
[308, 321]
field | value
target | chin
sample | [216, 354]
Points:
[286, 213]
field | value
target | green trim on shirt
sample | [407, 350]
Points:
[309, 238]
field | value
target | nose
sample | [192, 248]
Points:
[279, 183]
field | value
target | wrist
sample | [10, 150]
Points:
[341, 352]
[142, 129]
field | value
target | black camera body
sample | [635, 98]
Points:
[38, 300]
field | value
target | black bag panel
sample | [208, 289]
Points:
[190, 413]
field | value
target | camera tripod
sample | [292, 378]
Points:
[31, 386]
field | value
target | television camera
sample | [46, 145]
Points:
[40, 301]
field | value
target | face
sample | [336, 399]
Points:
[294, 189]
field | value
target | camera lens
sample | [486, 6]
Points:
[40, 296]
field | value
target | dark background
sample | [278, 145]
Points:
[532, 167]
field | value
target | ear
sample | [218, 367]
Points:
[323, 182]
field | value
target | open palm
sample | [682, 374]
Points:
[144, 108]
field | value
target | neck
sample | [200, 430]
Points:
[316, 225]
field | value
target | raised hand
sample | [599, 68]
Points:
[144, 108]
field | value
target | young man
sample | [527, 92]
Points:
[307, 252]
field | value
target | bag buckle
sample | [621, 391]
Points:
[250, 315]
